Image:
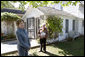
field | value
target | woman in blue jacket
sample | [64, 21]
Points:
[22, 39]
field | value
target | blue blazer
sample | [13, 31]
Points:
[22, 38]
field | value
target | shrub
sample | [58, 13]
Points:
[2, 34]
[54, 26]
[9, 36]
[5, 16]
[69, 39]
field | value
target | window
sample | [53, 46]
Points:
[67, 25]
[73, 25]
[61, 8]
[31, 27]
[38, 23]
[83, 23]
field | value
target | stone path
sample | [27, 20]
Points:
[11, 46]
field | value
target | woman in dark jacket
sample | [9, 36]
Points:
[43, 33]
[22, 39]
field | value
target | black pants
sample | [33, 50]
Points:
[43, 44]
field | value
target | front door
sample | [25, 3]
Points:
[31, 27]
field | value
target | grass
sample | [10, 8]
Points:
[69, 48]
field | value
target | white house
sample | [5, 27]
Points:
[71, 23]
[11, 27]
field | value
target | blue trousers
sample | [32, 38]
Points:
[22, 51]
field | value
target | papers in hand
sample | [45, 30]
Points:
[43, 34]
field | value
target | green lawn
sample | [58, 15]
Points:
[69, 48]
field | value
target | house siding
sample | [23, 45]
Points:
[72, 10]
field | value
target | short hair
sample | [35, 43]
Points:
[19, 21]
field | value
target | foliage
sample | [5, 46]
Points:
[69, 39]
[7, 4]
[45, 3]
[2, 36]
[36, 4]
[9, 16]
[54, 25]
[9, 36]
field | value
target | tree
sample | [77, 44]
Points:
[54, 25]
[36, 4]
[6, 4]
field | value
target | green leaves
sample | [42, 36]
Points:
[74, 3]
[54, 24]
[6, 4]
[9, 16]
[67, 3]
[35, 4]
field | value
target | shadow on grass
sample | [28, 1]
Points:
[48, 53]
[74, 48]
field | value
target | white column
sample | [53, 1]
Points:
[80, 26]
[63, 29]
[70, 24]
[76, 25]
[62, 35]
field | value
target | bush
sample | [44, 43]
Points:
[1, 36]
[54, 26]
[69, 39]
[9, 36]
[5, 16]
